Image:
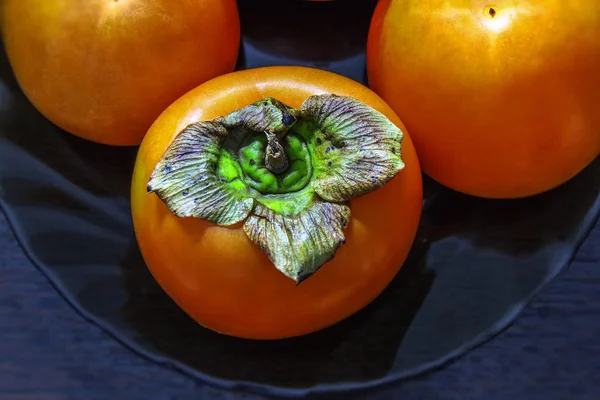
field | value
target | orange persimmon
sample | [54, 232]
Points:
[105, 69]
[216, 273]
[501, 98]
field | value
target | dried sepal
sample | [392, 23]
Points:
[360, 148]
[299, 245]
[186, 178]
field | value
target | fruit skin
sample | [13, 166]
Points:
[224, 281]
[104, 70]
[498, 107]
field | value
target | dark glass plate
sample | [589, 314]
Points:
[474, 266]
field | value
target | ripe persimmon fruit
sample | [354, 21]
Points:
[105, 69]
[501, 98]
[274, 202]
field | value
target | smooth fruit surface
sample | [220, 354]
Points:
[105, 69]
[502, 99]
[226, 282]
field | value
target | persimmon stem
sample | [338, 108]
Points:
[276, 160]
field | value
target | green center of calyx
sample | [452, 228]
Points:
[259, 173]
[288, 174]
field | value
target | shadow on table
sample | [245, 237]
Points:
[326, 35]
[307, 31]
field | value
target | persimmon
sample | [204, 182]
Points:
[501, 98]
[105, 69]
[277, 201]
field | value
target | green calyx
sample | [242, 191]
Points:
[287, 174]
[295, 177]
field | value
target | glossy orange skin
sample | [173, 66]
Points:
[105, 69]
[498, 107]
[223, 280]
